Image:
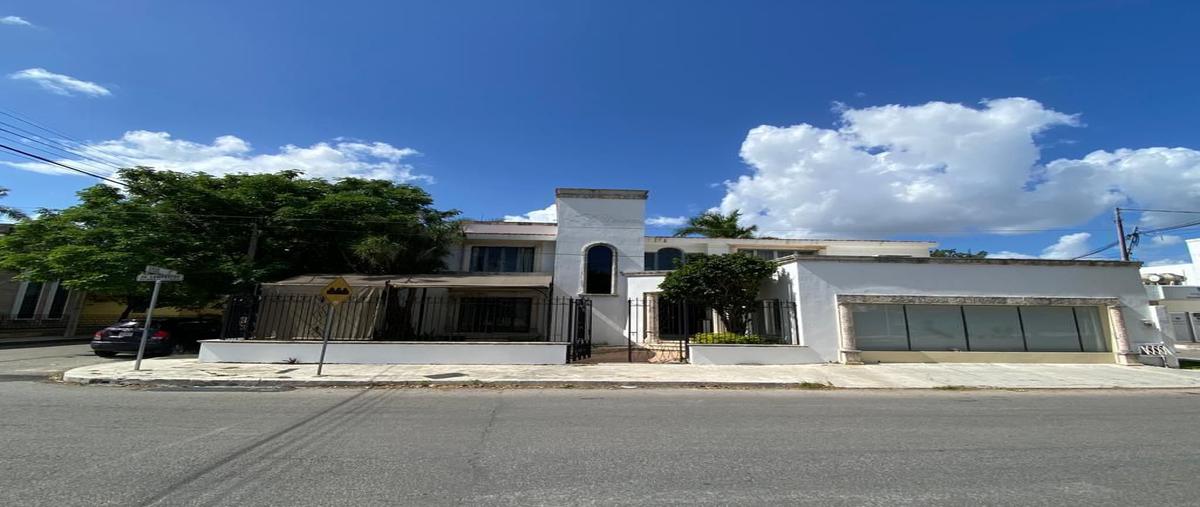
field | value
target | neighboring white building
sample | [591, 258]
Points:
[1189, 270]
[1178, 299]
[842, 300]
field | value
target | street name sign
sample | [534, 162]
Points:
[155, 277]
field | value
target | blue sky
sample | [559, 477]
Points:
[505, 101]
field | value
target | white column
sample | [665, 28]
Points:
[848, 352]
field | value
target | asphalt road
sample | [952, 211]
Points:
[76, 445]
[38, 362]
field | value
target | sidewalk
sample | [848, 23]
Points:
[177, 372]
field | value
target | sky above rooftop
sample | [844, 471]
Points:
[1003, 126]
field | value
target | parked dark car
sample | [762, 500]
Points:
[167, 335]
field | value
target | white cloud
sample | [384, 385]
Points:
[548, 214]
[661, 221]
[1068, 246]
[14, 20]
[942, 167]
[1165, 240]
[60, 83]
[229, 154]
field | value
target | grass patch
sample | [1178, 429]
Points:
[813, 385]
[955, 388]
[1189, 364]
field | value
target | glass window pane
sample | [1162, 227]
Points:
[599, 270]
[525, 259]
[668, 257]
[649, 263]
[29, 300]
[936, 327]
[879, 327]
[58, 305]
[1050, 328]
[994, 328]
[509, 256]
[1090, 329]
[477, 254]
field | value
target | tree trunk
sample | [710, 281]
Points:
[735, 322]
[128, 309]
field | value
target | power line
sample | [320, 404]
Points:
[53, 152]
[51, 144]
[77, 142]
[64, 166]
[1162, 210]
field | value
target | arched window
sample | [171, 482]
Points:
[598, 270]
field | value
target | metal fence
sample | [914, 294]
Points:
[396, 315]
[659, 330]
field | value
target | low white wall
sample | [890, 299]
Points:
[263, 351]
[752, 354]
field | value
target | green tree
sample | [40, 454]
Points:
[729, 284]
[203, 226]
[7, 211]
[712, 224]
[954, 253]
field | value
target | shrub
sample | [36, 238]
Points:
[728, 338]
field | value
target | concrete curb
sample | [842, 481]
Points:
[563, 384]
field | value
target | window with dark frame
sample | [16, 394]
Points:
[598, 270]
[665, 259]
[27, 305]
[58, 303]
[978, 328]
[495, 315]
[502, 259]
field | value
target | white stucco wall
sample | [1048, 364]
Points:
[585, 218]
[817, 283]
[263, 351]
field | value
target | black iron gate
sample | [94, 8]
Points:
[660, 330]
[408, 315]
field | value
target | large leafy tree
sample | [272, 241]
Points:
[206, 227]
[712, 224]
[729, 284]
[7, 211]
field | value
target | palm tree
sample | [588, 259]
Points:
[6, 211]
[713, 224]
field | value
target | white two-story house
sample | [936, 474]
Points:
[594, 275]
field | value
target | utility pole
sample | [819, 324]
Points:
[253, 249]
[1121, 235]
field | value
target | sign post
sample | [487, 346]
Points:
[158, 276]
[336, 292]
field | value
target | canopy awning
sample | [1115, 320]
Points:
[439, 280]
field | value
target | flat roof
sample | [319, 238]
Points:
[434, 280]
[601, 193]
[898, 259]
[795, 240]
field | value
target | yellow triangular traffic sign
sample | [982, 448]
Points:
[336, 291]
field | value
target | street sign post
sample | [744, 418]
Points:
[158, 276]
[334, 293]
